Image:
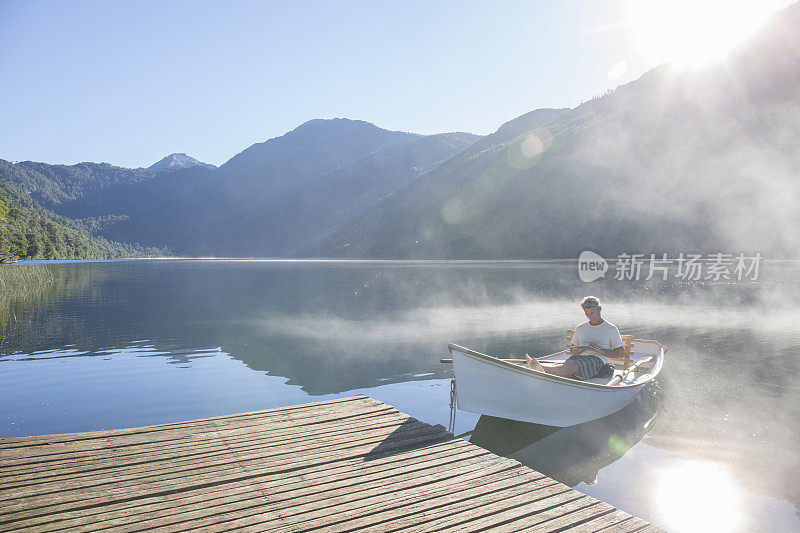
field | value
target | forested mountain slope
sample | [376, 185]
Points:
[29, 231]
[53, 184]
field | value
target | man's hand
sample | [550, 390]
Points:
[574, 350]
[615, 352]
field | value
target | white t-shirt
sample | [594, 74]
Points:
[606, 336]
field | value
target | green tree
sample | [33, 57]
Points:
[29, 231]
[3, 211]
[32, 249]
[3, 222]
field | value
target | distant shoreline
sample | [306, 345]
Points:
[330, 260]
[304, 260]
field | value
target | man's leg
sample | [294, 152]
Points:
[566, 370]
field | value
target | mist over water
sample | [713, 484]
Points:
[124, 344]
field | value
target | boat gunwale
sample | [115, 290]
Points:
[659, 358]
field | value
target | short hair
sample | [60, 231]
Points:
[590, 301]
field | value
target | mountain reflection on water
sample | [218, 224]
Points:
[571, 454]
[123, 344]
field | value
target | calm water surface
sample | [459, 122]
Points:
[713, 445]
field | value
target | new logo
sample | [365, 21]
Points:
[591, 266]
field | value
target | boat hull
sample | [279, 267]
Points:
[490, 386]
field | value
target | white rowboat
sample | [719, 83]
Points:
[508, 388]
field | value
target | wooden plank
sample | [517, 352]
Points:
[646, 528]
[613, 521]
[428, 506]
[265, 415]
[112, 445]
[283, 507]
[218, 462]
[278, 490]
[344, 507]
[176, 456]
[471, 505]
[341, 465]
[312, 477]
[477, 512]
[424, 458]
[364, 508]
[211, 430]
[185, 454]
[624, 525]
[500, 513]
[593, 509]
[630, 525]
[186, 441]
[87, 448]
[93, 495]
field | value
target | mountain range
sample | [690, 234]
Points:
[265, 201]
[699, 160]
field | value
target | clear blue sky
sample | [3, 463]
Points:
[128, 82]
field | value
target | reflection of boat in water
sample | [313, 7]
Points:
[508, 388]
[573, 454]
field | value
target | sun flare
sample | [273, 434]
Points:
[699, 496]
[691, 33]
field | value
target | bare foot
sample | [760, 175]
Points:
[533, 363]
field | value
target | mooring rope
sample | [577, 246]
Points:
[452, 428]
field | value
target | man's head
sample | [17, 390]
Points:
[591, 307]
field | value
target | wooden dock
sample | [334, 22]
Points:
[351, 464]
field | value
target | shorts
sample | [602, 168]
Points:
[590, 365]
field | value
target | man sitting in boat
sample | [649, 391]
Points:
[592, 344]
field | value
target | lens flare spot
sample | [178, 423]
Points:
[617, 445]
[454, 211]
[527, 150]
[532, 146]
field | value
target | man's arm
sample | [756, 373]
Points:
[616, 353]
[572, 346]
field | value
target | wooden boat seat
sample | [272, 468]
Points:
[627, 342]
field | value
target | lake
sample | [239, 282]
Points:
[712, 445]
